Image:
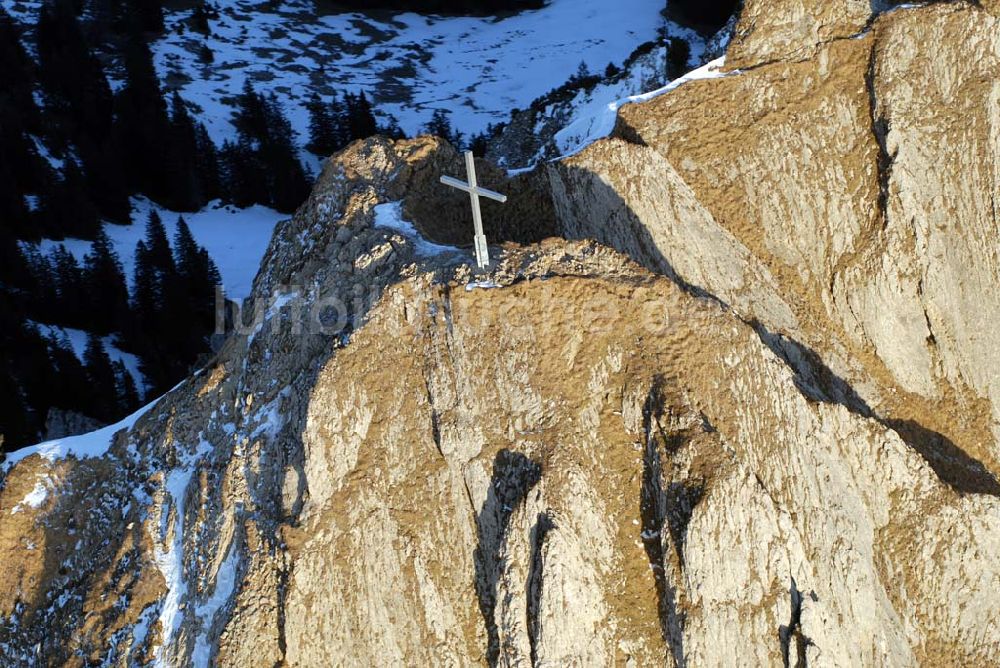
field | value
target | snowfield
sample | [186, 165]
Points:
[479, 69]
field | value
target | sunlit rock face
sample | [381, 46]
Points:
[740, 408]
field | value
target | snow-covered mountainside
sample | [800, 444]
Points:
[727, 396]
[478, 69]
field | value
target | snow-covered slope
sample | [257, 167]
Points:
[77, 339]
[235, 238]
[479, 69]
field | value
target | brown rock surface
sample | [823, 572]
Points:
[761, 431]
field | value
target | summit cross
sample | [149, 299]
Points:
[475, 192]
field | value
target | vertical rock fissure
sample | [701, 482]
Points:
[793, 632]
[654, 508]
[514, 475]
[541, 529]
[880, 131]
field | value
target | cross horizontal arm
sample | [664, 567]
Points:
[482, 192]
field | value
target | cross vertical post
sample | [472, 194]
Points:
[475, 192]
[482, 251]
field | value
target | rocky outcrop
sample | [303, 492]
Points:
[61, 423]
[857, 269]
[794, 29]
[746, 417]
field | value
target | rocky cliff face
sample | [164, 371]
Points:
[755, 422]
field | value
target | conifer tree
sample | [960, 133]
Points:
[72, 298]
[440, 126]
[104, 281]
[101, 376]
[183, 178]
[17, 76]
[263, 165]
[207, 165]
[142, 124]
[79, 106]
[72, 392]
[361, 121]
[128, 396]
[199, 276]
[678, 54]
[141, 16]
[14, 421]
[144, 296]
[35, 276]
[78, 94]
[66, 208]
[157, 245]
[199, 18]
[323, 139]
[391, 129]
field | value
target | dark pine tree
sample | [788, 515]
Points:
[440, 126]
[207, 164]
[197, 278]
[287, 178]
[73, 391]
[157, 245]
[101, 376]
[78, 96]
[34, 275]
[15, 429]
[140, 16]
[104, 282]
[79, 106]
[243, 176]
[323, 139]
[66, 208]
[128, 396]
[17, 76]
[144, 336]
[263, 165]
[144, 296]
[72, 302]
[678, 54]
[199, 18]
[182, 174]
[361, 122]
[142, 125]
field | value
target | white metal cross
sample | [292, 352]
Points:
[475, 192]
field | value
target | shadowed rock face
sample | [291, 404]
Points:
[757, 426]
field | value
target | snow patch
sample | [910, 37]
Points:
[225, 586]
[478, 68]
[92, 444]
[170, 562]
[597, 119]
[390, 216]
[482, 285]
[35, 498]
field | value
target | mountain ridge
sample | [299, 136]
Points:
[697, 443]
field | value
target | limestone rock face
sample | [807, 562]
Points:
[771, 30]
[743, 413]
[852, 189]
